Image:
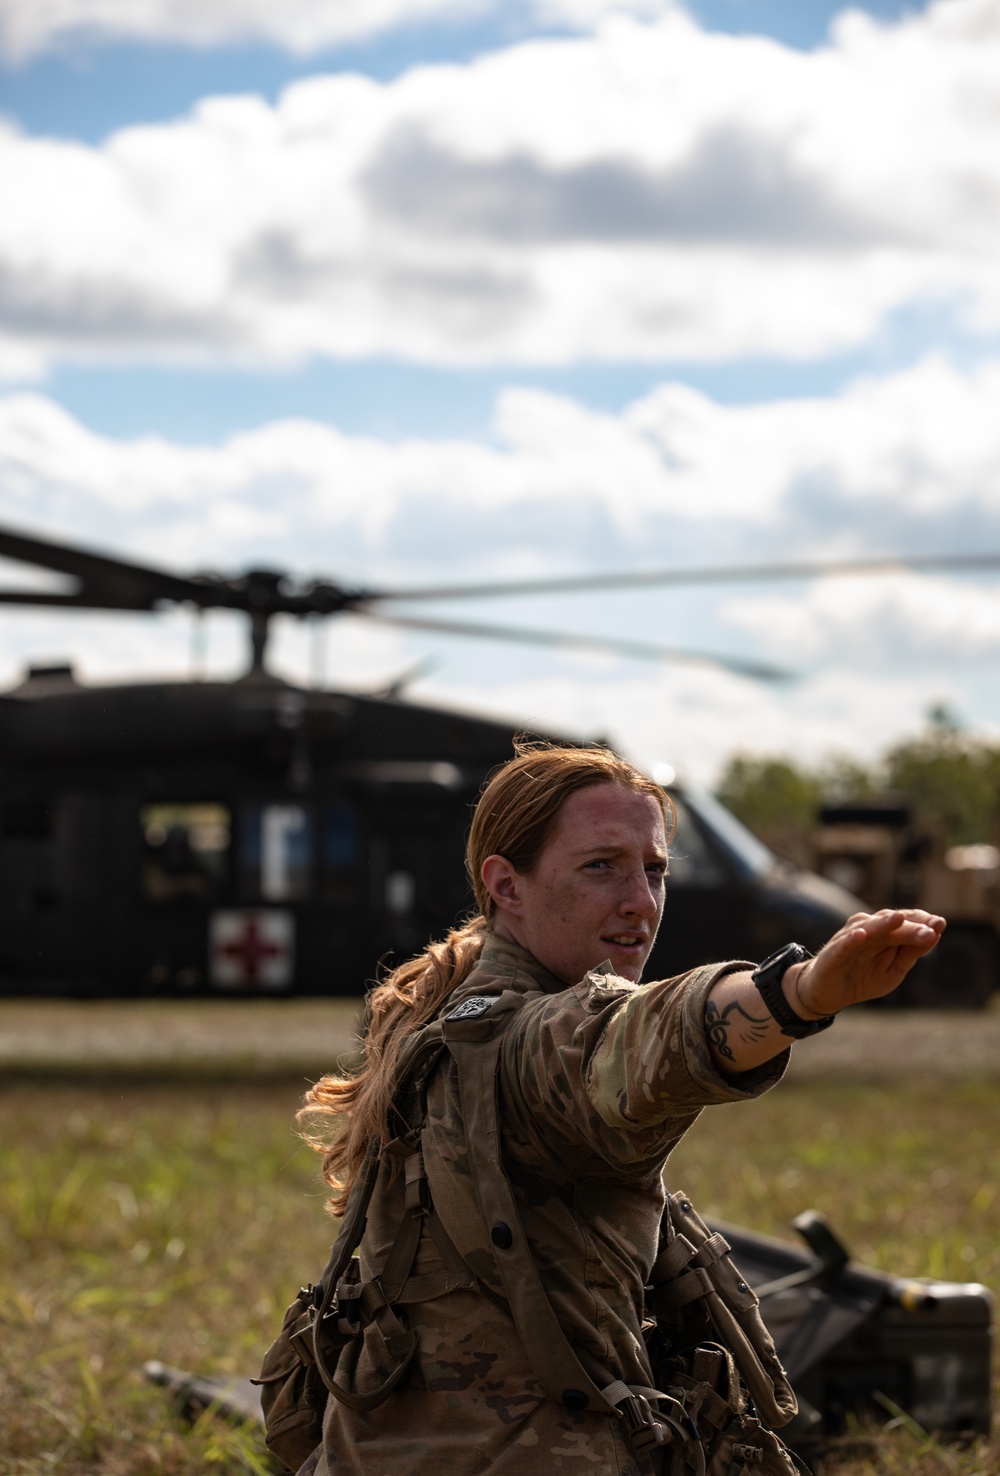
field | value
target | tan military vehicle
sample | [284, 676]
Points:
[884, 855]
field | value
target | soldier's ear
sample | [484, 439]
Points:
[503, 884]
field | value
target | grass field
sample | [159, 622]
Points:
[174, 1221]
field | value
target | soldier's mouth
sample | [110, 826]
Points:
[632, 941]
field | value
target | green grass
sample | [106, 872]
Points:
[170, 1223]
[176, 1222]
[909, 1179]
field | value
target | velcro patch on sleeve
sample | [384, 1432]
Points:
[473, 1007]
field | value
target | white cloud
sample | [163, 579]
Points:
[893, 464]
[924, 441]
[900, 620]
[658, 191]
[300, 26]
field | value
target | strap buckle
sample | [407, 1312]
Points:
[644, 1431]
[348, 1307]
[301, 1338]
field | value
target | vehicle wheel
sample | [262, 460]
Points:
[960, 974]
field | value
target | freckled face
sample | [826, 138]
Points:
[597, 891]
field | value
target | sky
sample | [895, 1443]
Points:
[430, 292]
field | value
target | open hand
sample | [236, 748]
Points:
[867, 958]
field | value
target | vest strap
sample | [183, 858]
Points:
[548, 1350]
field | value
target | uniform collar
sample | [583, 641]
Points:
[504, 959]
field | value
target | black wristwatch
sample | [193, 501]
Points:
[768, 976]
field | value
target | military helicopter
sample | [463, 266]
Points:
[256, 836]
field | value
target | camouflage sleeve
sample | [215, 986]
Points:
[653, 1059]
[625, 1071]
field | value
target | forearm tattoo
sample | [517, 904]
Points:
[718, 1026]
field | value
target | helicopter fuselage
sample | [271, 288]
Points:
[255, 837]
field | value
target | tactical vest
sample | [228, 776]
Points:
[721, 1391]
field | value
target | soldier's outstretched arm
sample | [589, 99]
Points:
[867, 958]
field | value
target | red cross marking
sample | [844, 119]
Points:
[251, 950]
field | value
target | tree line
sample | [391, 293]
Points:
[950, 778]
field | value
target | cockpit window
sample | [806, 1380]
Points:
[693, 863]
[750, 854]
[186, 850]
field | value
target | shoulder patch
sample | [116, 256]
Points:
[473, 1007]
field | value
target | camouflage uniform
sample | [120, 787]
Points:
[598, 1083]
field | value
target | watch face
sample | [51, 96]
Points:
[768, 977]
[784, 957]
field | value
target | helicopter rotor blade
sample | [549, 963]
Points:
[720, 574]
[105, 583]
[638, 650]
[120, 584]
[117, 584]
[111, 583]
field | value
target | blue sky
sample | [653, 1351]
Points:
[460, 291]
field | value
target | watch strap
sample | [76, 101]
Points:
[768, 976]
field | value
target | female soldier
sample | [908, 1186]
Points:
[598, 1080]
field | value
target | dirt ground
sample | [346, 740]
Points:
[251, 1038]
[280, 1038]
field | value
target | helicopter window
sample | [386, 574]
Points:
[692, 861]
[341, 837]
[186, 850]
[341, 852]
[276, 852]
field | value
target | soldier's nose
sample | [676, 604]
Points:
[641, 900]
